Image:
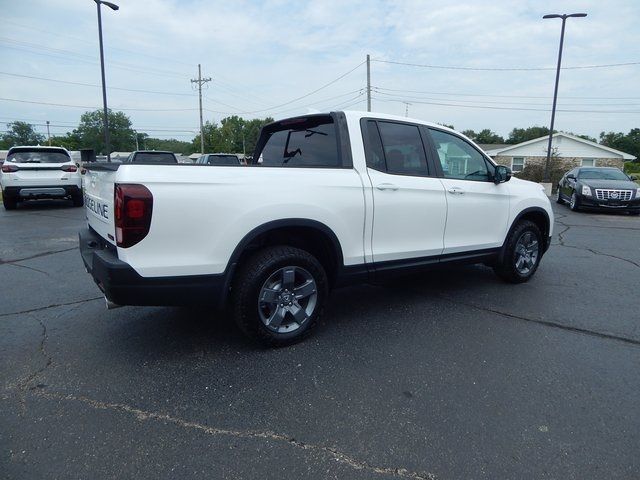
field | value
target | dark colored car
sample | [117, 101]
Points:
[225, 159]
[603, 188]
[152, 157]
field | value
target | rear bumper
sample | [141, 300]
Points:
[122, 285]
[41, 191]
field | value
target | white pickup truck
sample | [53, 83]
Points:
[331, 199]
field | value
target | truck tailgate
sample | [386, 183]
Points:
[98, 199]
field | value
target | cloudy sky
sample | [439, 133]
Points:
[285, 57]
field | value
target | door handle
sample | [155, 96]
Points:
[387, 186]
[456, 191]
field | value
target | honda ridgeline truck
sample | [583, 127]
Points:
[330, 200]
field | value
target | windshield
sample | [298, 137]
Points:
[154, 157]
[38, 156]
[602, 174]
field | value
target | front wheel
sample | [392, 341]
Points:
[574, 203]
[522, 253]
[559, 196]
[278, 295]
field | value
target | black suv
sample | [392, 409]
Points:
[603, 188]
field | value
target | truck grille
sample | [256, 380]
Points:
[606, 194]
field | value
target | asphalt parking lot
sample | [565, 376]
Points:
[451, 375]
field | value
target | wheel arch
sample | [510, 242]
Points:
[537, 215]
[310, 235]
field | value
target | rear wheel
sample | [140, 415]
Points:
[522, 253]
[78, 200]
[559, 196]
[278, 295]
[9, 202]
[574, 203]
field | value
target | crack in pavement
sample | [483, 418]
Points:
[334, 453]
[28, 268]
[546, 323]
[37, 255]
[54, 305]
[561, 242]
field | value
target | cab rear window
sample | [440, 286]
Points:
[300, 142]
[160, 158]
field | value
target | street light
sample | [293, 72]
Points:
[114, 7]
[555, 91]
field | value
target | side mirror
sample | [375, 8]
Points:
[571, 177]
[502, 174]
[633, 177]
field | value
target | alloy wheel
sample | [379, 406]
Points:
[527, 252]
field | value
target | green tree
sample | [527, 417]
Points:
[484, 136]
[90, 132]
[170, 144]
[229, 136]
[519, 135]
[629, 143]
[21, 133]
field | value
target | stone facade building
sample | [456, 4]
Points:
[571, 151]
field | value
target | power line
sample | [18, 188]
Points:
[489, 107]
[94, 85]
[457, 94]
[411, 97]
[94, 107]
[502, 69]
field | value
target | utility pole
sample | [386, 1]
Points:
[406, 108]
[48, 133]
[368, 83]
[200, 81]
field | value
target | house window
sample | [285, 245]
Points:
[588, 162]
[517, 164]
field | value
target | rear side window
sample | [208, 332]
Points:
[38, 156]
[160, 158]
[223, 160]
[301, 142]
[403, 149]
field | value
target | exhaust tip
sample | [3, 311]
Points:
[110, 304]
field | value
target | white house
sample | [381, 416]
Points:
[571, 150]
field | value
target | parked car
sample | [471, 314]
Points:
[603, 188]
[152, 157]
[338, 198]
[219, 159]
[34, 172]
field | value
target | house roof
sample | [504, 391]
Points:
[557, 137]
[492, 146]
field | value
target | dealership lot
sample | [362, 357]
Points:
[450, 375]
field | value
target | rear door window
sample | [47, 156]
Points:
[403, 148]
[300, 142]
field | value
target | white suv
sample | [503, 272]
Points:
[39, 172]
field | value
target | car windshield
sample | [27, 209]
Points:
[38, 156]
[602, 174]
[154, 157]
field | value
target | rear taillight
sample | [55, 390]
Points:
[133, 205]
[69, 168]
[9, 168]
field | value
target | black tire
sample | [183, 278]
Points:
[78, 200]
[574, 203]
[507, 268]
[634, 213]
[559, 197]
[9, 203]
[251, 279]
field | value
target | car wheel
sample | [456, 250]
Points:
[78, 200]
[9, 203]
[521, 254]
[574, 203]
[559, 196]
[278, 295]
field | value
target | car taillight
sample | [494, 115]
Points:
[133, 205]
[9, 168]
[69, 168]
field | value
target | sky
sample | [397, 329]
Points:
[282, 58]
